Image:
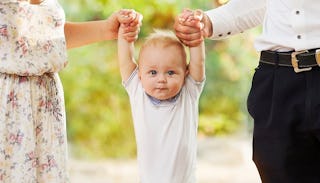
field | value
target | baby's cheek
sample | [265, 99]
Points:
[176, 88]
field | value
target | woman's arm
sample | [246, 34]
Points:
[82, 33]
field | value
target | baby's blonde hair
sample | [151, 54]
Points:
[164, 39]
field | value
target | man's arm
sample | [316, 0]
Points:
[234, 17]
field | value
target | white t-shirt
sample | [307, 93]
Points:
[166, 133]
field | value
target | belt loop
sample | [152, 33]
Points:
[276, 59]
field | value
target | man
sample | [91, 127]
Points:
[284, 98]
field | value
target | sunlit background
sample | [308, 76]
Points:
[99, 121]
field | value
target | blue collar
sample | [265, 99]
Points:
[158, 102]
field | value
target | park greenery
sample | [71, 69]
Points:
[98, 112]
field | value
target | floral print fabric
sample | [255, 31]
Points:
[31, 38]
[33, 146]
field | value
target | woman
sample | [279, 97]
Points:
[33, 42]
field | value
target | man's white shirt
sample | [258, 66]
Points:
[287, 24]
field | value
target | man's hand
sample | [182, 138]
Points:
[192, 26]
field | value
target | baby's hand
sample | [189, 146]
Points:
[130, 22]
[126, 16]
[194, 17]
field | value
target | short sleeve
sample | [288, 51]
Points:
[194, 88]
[133, 84]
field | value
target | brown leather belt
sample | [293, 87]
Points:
[299, 60]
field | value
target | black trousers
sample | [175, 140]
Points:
[285, 107]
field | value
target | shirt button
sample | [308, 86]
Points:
[297, 12]
[298, 36]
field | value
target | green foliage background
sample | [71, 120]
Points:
[98, 113]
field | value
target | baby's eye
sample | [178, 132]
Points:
[153, 72]
[171, 73]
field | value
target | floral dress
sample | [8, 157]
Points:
[33, 146]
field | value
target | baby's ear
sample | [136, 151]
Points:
[139, 74]
[187, 71]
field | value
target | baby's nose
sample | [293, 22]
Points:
[162, 78]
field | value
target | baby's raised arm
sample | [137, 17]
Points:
[197, 53]
[197, 62]
[130, 22]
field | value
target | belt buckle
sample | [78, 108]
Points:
[317, 55]
[294, 61]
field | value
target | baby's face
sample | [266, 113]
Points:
[162, 71]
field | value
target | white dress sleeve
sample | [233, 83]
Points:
[236, 16]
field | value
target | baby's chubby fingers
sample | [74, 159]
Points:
[198, 14]
[195, 20]
[129, 33]
[184, 16]
[137, 20]
[190, 18]
[126, 16]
